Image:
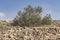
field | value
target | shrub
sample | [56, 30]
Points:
[31, 17]
[47, 20]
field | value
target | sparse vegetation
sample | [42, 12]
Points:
[31, 17]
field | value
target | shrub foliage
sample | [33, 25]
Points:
[47, 20]
[31, 17]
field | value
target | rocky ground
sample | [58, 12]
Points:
[31, 33]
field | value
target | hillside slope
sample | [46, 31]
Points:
[31, 33]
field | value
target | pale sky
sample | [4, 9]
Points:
[9, 8]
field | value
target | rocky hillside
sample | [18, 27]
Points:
[31, 33]
[46, 32]
[5, 22]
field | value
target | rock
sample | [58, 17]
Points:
[34, 33]
[58, 39]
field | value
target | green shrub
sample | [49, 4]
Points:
[31, 17]
[46, 20]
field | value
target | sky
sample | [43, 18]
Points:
[10, 8]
